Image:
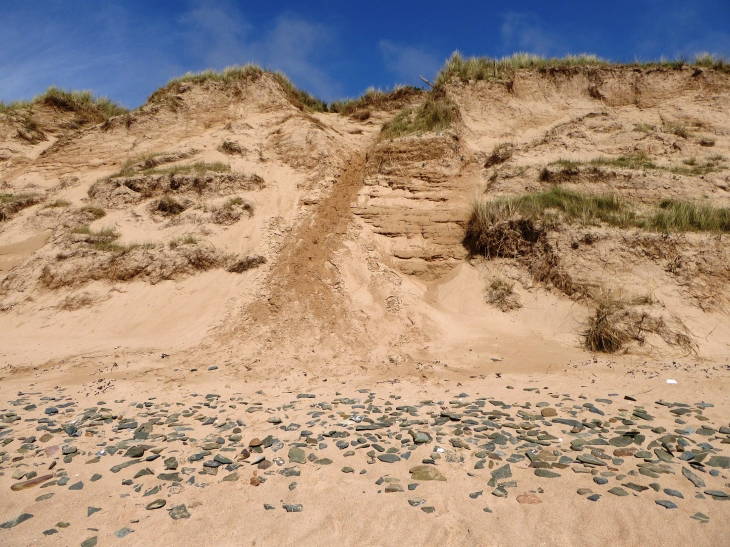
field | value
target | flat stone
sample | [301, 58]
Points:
[635, 487]
[17, 520]
[428, 509]
[546, 474]
[618, 491]
[704, 519]
[591, 460]
[594, 497]
[584, 491]
[389, 458]
[695, 479]
[393, 487]
[123, 532]
[179, 512]
[348, 470]
[91, 510]
[171, 463]
[174, 477]
[666, 504]
[134, 452]
[723, 462]
[91, 542]
[297, 455]
[293, 507]
[157, 504]
[415, 502]
[77, 486]
[717, 494]
[426, 473]
[504, 472]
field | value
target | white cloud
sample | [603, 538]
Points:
[408, 62]
[220, 36]
[523, 32]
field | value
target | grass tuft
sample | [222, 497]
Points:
[97, 212]
[57, 203]
[501, 294]
[12, 203]
[604, 334]
[234, 74]
[187, 239]
[436, 114]
[373, 98]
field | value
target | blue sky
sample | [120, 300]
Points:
[332, 48]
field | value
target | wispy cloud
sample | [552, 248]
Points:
[221, 36]
[523, 32]
[407, 62]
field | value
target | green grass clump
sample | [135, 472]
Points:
[629, 161]
[436, 114]
[685, 216]
[553, 205]
[557, 205]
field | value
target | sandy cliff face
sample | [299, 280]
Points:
[224, 215]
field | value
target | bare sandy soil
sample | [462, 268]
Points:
[257, 307]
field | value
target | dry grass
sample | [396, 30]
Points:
[168, 206]
[501, 294]
[678, 129]
[96, 212]
[691, 167]
[243, 264]
[57, 203]
[12, 203]
[231, 148]
[187, 239]
[617, 321]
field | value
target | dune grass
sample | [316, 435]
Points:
[373, 98]
[83, 103]
[557, 205]
[105, 240]
[553, 206]
[685, 216]
[437, 113]
[489, 68]
[241, 73]
[639, 160]
[12, 203]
